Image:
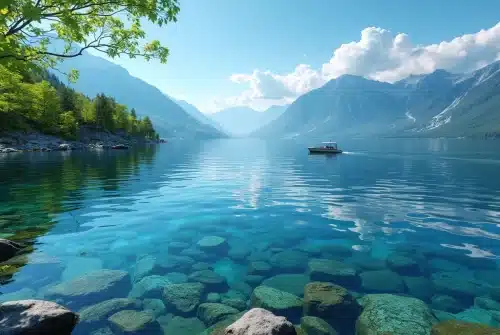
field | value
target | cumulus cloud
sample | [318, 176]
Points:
[379, 54]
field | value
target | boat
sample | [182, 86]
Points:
[325, 148]
[119, 147]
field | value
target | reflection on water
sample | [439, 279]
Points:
[143, 212]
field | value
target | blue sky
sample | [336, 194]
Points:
[213, 40]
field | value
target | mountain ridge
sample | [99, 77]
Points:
[433, 105]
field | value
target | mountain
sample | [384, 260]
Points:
[195, 112]
[241, 121]
[437, 104]
[97, 75]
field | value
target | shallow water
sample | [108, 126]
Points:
[431, 205]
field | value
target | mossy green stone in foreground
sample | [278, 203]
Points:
[107, 308]
[183, 326]
[279, 302]
[455, 327]
[395, 315]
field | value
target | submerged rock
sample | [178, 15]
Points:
[259, 268]
[8, 249]
[149, 287]
[174, 263]
[144, 266]
[254, 280]
[403, 264]
[315, 326]
[419, 287]
[134, 322]
[258, 321]
[332, 303]
[183, 326]
[154, 305]
[213, 297]
[458, 286]
[239, 304]
[395, 315]
[239, 253]
[455, 327]
[107, 308]
[475, 314]
[383, 281]
[481, 302]
[36, 317]
[212, 281]
[176, 247]
[289, 261]
[213, 244]
[211, 313]
[333, 271]
[446, 303]
[95, 286]
[184, 298]
[291, 283]
[279, 302]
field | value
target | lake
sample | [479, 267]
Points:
[407, 217]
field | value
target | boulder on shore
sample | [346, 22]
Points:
[36, 317]
[262, 322]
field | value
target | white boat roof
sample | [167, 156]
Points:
[329, 142]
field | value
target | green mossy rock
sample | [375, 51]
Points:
[316, 326]
[134, 322]
[395, 315]
[291, 283]
[333, 271]
[183, 326]
[211, 313]
[183, 298]
[278, 302]
[105, 309]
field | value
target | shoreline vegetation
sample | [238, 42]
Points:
[39, 113]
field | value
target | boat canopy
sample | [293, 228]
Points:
[335, 143]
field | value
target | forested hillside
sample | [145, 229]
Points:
[38, 101]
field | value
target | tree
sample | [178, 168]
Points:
[104, 111]
[113, 27]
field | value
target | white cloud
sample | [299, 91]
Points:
[379, 54]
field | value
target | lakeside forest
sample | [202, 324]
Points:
[36, 100]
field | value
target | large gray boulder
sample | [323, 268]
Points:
[35, 317]
[258, 321]
[8, 249]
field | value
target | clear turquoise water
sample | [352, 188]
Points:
[436, 202]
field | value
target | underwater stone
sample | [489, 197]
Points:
[279, 302]
[495, 293]
[333, 271]
[154, 305]
[134, 322]
[95, 286]
[481, 302]
[237, 303]
[460, 287]
[475, 314]
[254, 280]
[106, 308]
[315, 326]
[395, 315]
[259, 268]
[446, 303]
[289, 261]
[234, 294]
[143, 266]
[368, 263]
[403, 265]
[332, 303]
[442, 315]
[36, 317]
[213, 297]
[79, 266]
[201, 266]
[212, 280]
[213, 244]
[419, 287]
[384, 281]
[183, 326]
[259, 321]
[456, 327]
[173, 263]
[220, 327]
[211, 313]
[195, 253]
[239, 253]
[176, 247]
[291, 283]
[443, 265]
[152, 286]
[184, 298]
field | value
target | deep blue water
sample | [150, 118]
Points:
[435, 203]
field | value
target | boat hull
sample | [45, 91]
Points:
[324, 151]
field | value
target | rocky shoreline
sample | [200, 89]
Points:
[88, 139]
